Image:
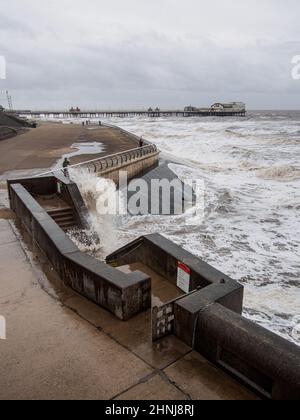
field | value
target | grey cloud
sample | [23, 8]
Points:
[55, 64]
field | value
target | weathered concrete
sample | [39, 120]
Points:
[209, 320]
[53, 353]
[44, 146]
[70, 193]
[156, 388]
[134, 168]
[259, 357]
[161, 289]
[163, 256]
[202, 381]
[124, 295]
[177, 196]
[60, 186]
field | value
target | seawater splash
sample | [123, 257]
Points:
[251, 229]
[100, 195]
[252, 201]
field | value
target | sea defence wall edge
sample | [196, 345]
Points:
[210, 320]
[125, 295]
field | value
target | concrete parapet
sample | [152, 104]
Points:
[163, 256]
[134, 168]
[60, 185]
[125, 295]
[261, 359]
[209, 320]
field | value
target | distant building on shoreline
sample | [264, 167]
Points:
[228, 107]
[219, 107]
[191, 108]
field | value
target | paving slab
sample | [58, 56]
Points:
[202, 381]
[156, 388]
[6, 235]
[134, 334]
[50, 352]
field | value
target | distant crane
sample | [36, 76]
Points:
[8, 98]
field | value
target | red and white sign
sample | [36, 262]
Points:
[183, 277]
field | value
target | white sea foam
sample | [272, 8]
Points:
[104, 227]
[251, 229]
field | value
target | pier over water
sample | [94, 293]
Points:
[131, 113]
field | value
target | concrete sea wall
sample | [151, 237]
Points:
[209, 320]
[61, 186]
[134, 169]
[125, 295]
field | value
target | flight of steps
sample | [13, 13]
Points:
[63, 217]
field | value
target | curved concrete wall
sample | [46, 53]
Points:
[134, 169]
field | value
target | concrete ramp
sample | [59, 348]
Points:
[165, 194]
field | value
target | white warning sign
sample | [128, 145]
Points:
[183, 277]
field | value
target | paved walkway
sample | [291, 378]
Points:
[75, 350]
[61, 346]
[44, 146]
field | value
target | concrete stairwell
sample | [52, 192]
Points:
[64, 217]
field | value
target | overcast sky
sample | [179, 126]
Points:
[137, 53]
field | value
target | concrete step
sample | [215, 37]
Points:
[67, 225]
[60, 211]
[63, 217]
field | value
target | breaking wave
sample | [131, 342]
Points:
[101, 198]
[252, 200]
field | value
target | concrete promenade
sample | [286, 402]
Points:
[60, 345]
[44, 146]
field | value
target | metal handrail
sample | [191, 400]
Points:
[108, 161]
[118, 159]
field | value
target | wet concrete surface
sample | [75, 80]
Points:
[62, 346]
[51, 353]
[44, 146]
[202, 381]
[162, 290]
[52, 202]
